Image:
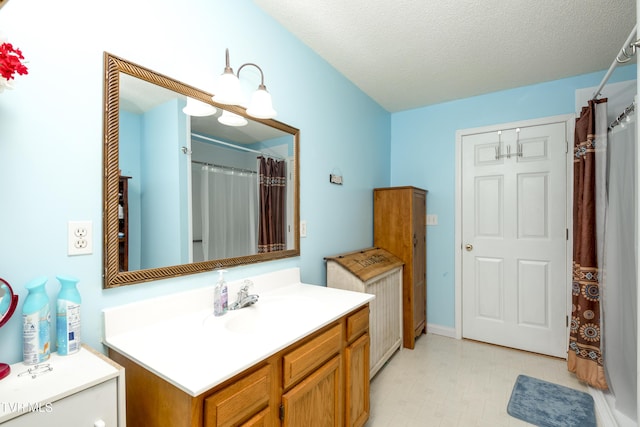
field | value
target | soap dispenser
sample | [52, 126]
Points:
[220, 299]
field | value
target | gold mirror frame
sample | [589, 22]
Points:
[113, 277]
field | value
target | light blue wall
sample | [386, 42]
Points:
[163, 133]
[51, 135]
[158, 185]
[130, 135]
[423, 155]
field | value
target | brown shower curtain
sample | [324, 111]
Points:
[271, 231]
[585, 353]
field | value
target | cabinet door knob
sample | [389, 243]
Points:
[99, 423]
[468, 247]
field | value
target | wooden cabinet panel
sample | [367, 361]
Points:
[357, 382]
[303, 360]
[399, 223]
[239, 401]
[123, 223]
[317, 400]
[357, 323]
[152, 401]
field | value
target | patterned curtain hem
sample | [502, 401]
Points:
[579, 366]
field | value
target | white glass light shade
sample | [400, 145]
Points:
[261, 106]
[228, 90]
[230, 119]
[198, 108]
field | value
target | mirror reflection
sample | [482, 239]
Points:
[189, 192]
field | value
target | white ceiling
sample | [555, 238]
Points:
[411, 53]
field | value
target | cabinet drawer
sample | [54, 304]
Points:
[84, 408]
[357, 323]
[239, 401]
[301, 361]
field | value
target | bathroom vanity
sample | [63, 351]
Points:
[300, 353]
[82, 389]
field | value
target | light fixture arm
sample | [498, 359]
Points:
[262, 86]
[227, 67]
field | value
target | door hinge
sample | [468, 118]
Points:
[282, 412]
[567, 233]
[566, 318]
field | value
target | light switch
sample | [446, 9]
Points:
[432, 219]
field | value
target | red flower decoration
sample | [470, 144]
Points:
[11, 61]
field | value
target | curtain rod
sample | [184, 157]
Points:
[231, 168]
[614, 64]
[626, 113]
[239, 147]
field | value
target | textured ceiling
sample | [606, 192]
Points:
[411, 53]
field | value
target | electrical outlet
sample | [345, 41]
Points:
[80, 238]
[432, 219]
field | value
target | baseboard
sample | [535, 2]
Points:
[441, 330]
[603, 411]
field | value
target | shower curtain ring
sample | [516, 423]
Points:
[626, 54]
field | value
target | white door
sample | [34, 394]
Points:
[514, 237]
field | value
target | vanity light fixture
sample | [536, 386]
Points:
[198, 108]
[230, 119]
[229, 92]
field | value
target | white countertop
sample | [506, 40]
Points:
[181, 341]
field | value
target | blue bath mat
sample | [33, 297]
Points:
[545, 404]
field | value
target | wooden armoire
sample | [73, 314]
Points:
[399, 226]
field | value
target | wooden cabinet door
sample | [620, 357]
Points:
[357, 382]
[261, 419]
[419, 235]
[317, 400]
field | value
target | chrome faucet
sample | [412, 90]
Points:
[244, 299]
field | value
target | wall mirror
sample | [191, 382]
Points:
[183, 194]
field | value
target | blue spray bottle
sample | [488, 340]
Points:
[36, 323]
[68, 316]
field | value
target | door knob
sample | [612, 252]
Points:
[468, 247]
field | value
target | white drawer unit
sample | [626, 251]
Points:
[83, 389]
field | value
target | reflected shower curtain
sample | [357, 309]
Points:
[585, 354]
[619, 270]
[272, 236]
[229, 202]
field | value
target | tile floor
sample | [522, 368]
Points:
[445, 382]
